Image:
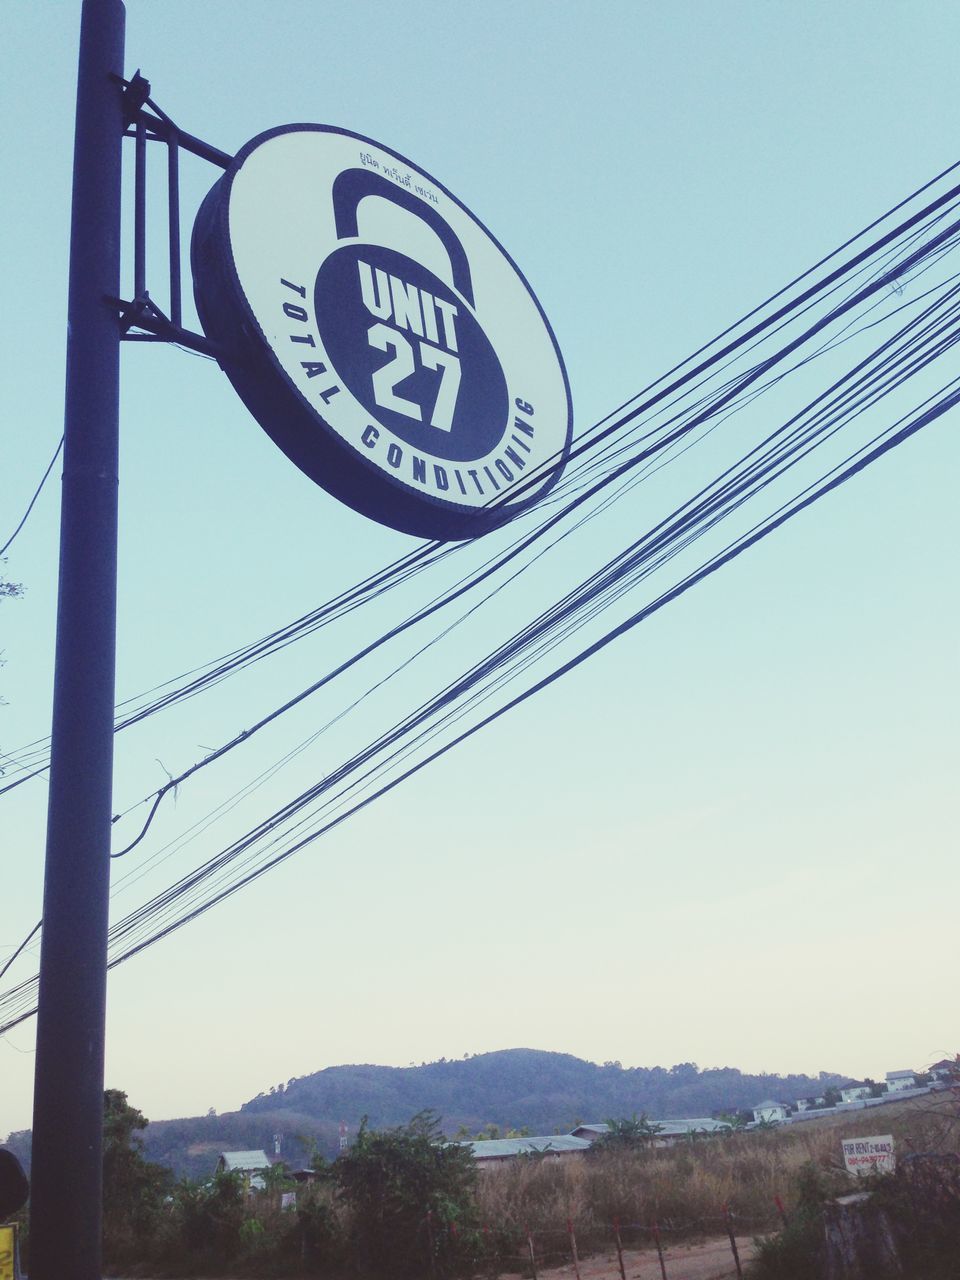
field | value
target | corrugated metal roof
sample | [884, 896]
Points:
[669, 1128]
[900, 1075]
[499, 1148]
[769, 1103]
[244, 1161]
[700, 1124]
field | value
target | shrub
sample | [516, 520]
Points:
[208, 1218]
[409, 1200]
[796, 1252]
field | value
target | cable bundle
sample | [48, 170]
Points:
[765, 356]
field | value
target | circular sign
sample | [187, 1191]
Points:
[379, 333]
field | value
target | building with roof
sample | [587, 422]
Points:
[899, 1080]
[668, 1132]
[810, 1104]
[671, 1131]
[491, 1152]
[854, 1092]
[590, 1132]
[770, 1112]
[249, 1163]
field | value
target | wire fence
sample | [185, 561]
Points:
[928, 1200]
[497, 1247]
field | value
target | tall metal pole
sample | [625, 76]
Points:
[68, 1096]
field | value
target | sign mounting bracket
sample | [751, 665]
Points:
[141, 319]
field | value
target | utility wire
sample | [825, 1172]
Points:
[615, 421]
[855, 463]
[192, 881]
[30, 505]
[900, 357]
[174, 782]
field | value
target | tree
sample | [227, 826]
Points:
[211, 1216]
[276, 1180]
[410, 1197]
[133, 1188]
[688, 1071]
[627, 1134]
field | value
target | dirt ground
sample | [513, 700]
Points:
[709, 1260]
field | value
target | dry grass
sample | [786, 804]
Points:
[684, 1188]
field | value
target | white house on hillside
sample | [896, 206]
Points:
[897, 1080]
[770, 1111]
[854, 1092]
[810, 1104]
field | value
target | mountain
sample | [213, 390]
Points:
[513, 1088]
[548, 1092]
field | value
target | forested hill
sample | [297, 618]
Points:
[546, 1092]
[549, 1092]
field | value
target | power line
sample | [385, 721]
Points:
[617, 422]
[915, 345]
[30, 505]
[889, 365]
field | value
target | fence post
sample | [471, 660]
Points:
[616, 1233]
[573, 1248]
[533, 1256]
[433, 1261]
[859, 1239]
[733, 1240]
[782, 1211]
[656, 1241]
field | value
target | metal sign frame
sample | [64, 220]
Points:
[276, 249]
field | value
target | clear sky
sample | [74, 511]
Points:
[730, 839]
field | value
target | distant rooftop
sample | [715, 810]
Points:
[498, 1148]
[244, 1161]
[699, 1124]
[667, 1128]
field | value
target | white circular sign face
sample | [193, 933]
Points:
[380, 334]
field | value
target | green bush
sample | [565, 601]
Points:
[207, 1219]
[796, 1252]
[922, 1202]
[409, 1200]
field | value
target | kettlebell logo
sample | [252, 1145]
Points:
[379, 333]
[406, 342]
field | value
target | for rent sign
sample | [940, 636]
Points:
[869, 1155]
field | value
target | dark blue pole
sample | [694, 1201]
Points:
[66, 1176]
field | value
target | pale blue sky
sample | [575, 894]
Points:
[729, 839]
